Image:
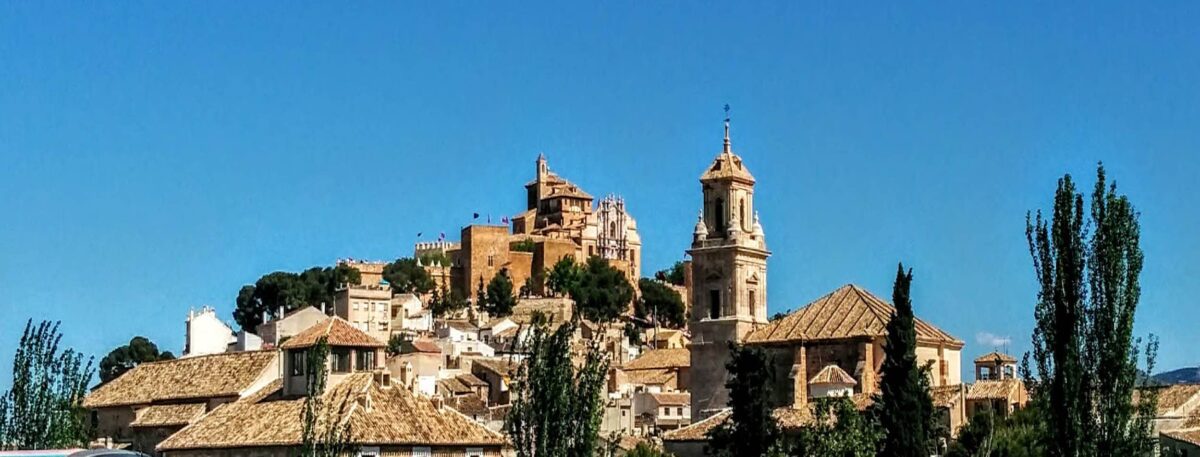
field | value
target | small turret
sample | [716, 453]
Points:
[701, 232]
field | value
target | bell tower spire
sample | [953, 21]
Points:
[728, 148]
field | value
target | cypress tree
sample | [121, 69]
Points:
[904, 405]
[751, 430]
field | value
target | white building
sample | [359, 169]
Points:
[206, 334]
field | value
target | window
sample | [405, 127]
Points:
[742, 212]
[719, 215]
[297, 362]
[474, 452]
[421, 451]
[714, 304]
[753, 303]
[341, 360]
[491, 260]
[366, 359]
[368, 451]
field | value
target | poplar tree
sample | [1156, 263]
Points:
[905, 407]
[1085, 355]
[43, 408]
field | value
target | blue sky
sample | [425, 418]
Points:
[157, 156]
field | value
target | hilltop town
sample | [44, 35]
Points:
[430, 369]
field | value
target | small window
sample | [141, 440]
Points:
[421, 451]
[341, 360]
[714, 304]
[679, 411]
[297, 359]
[491, 260]
[753, 303]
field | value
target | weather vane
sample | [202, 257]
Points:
[726, 112]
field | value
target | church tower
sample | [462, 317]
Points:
[729, 274]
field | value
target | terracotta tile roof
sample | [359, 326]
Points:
[498, 366]
[672, 398]
[994, 356]
[200, 377]
[337, 332]
[1191, 436]
[947, 395]
[833, 374]
[848, 312]
[660, 358]
[394, 417]
[469, 405]
[425, 346]
[168, 415]
[1175, 396]
[462, 326]
[470, 380]
[650, 377]
[995, 389]
[454, 386]
[727, 165]
[697, 431]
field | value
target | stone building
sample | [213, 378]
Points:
[997, 387]
[560, 220]
[729, 276]
[367, 306]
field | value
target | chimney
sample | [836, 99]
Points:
[437, 401]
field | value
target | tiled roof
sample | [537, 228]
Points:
[994, 356]
[789, 419]
[672, 398]
[994, 389]
[650, 377]
[470, 380]
[470, 405]
[337, 332]
[462, 326]
[168, 415]
[697, 431]
[661, 358]
[946, 395]
[848, 312]
[1190, 436]
[394, 417]
[200, 377]
[833, 374]
[498, 366]
[727, 165]
[425, 346]
[454, 386]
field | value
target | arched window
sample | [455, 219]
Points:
[719, 215]
[612, 229]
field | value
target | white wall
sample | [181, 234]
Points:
[206, 334]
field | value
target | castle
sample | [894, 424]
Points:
[560, 220]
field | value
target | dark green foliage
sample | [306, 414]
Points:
[1085, 355]
[42, 409]
[659, 302]
[556, 409]
[777, 316]
[564, 276]
[603, 292]
[904, 405]
[646, 450]
[1019, 435]
[500, 300]
[525, 245]
[751, 430]
[395, 344]
[406, 277]
[838, 430]
[123, 358]
[312, 287]
[324, 433]
[444, 301]
[673, 275]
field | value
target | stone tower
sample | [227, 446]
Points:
[729, 274]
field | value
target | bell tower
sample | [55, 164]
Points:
[729, 273]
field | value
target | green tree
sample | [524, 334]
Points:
[659, 302]
[904, 405]
[838, 430]
[673, 275]
[645, 449]
[445, 301]
[406, 277]
[43, 408]
[124, 358]
[324, 433]
[751, 430]
[289, 291]
[603, 292]
[500, 300]
[525, 245]
[563, 276]
[1085, 354]
[985, 435]
[556, 408]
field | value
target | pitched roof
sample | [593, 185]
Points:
[425, 346]
[660, 358]
[1173, 397]
[697, 431]
[168, 415]
[470, 380]
[394, 417]
[650, 377]
[727, 165]
[848, 312]
[470, 405]
[201, 377]
[498, 366]
[337, 332]
[1191, 436]
[789, 419]
[833, 374]
[994, 356]
[672, 398]
[454, 386]
[994, 389]
[946, 395]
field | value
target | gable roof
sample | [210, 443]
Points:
[672, 398]
[168, 415]
[660, 358]
[848, 312]
[394, 417]
[833, 374]
[337, 332]
[650, 377]
[995, 389]
[993, 356]
[200, 377]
